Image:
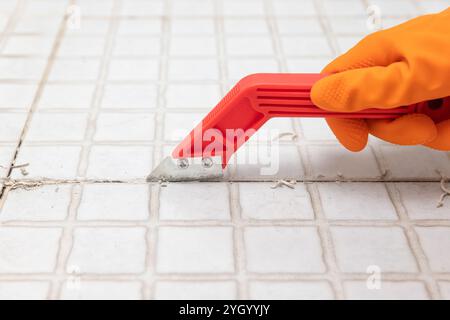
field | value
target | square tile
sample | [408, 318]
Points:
[398, 162]
[294, 8]
[249, 46]
[433, 6]
[435, 242]
[330, 161]
[109, 250]
[239, 68]
[420, 200]
[178, 125]
[16, 96]
[273, 130]
[283, 249]
[125, 126]
[349, 25]
[195, 290]
[28, 250]
[246, 26]
[358, 248]
[45, 7]
[11, 125]
[445, 289]
[28, 45]
[240, 8]
[193, 8]
[398, 7]
[197, 26]
[192, 95]
[142, 8]
[81, 47]
[306, 46]
[193, 69]
[193, 46]
[344, 7]
[119, 162]
[307, 65]
[56, 162]
[137, 69]
[129, 96]
[389, 290]
[359, 201]
[261, 201]
[102, 290]
[21, 68]
[345, 43]
[37, 24]
[290, 290]
[113, 201]
[75, 69]
[24, 290]
[316, 129]
[73, 96]
[87, 27]
[139, 26]
[137, 46]
[195, 250]
[308, 25]
[46, 203]
[57, 127]
[193, 201]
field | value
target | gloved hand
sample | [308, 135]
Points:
[400, 66]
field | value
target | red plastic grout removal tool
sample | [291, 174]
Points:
[248, 105]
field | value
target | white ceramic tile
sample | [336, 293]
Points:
[389, 290]
[21, 68]
[306, 46]
[142, 8]
[193, 8]
[57, 127]
[261, 201]
[307, 65]
[119, 162]
[178, 125]
[139, 26]
[195, 26]
[192, 46]
[239, 68]
[359, 201]
[445, 289]
[299, 26]
[137, 46]
[241, 8]
[290, 290]
[294, 8]
[45, 7]
[94, 27]
[37, 24]
[360, 248]
[249, 46]
[193, 201]
[58, 162]
[38, 204]
[349, 25]
[137, 69]
[433, 6]
[264, 161]
[194, 250]
[435, 242]
[344, 7]
[28, 45]
[125, 126]
[273, 130]
[330, 161]
[246, 26]
[195, 290]
[24, 290]
[114, 202]
[192, 95]
[408, 162]
[81, 47]
[345, 43]
[76, 96]
[193, 69]
[283, 249]
[396, 8]
[102, 290]
[11, 125]
[28, 250]
[17, 96]
[75, 69]
[420, 200]
[108, 250]
[129, 96]
[316, 129]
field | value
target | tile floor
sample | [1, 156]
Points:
[94, 93]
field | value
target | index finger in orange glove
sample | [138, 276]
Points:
[399, 66]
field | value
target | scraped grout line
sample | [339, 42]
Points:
[12, 20]
[39, 90]
[414, 242]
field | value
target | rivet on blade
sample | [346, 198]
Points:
[207, 162]
[183, 163]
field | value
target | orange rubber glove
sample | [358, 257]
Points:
[406, 64]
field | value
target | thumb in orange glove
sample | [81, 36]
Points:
[407, 64]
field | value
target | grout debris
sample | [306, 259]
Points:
[446, 192]
[282, 135]
[287, 183]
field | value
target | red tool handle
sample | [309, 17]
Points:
[259, 97]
